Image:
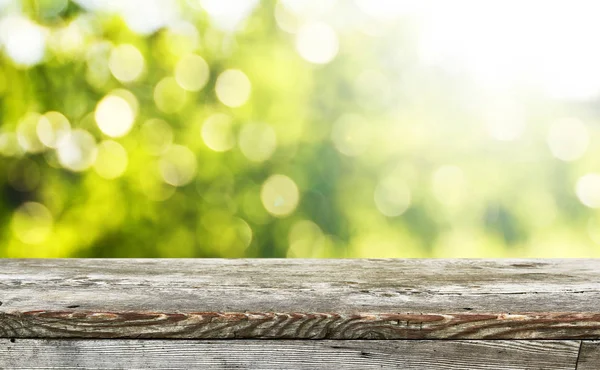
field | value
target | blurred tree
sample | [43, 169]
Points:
[236, 128]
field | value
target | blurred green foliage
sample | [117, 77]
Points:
[273, 140]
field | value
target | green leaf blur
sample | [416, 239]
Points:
[207, 128]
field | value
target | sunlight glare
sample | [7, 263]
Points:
[504, 44]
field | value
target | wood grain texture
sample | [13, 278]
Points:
[300, 299]
[589, 356]
[256, 354]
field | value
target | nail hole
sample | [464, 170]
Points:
[12, 340]
[0, 303]
[73, 306]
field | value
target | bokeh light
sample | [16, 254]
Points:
[27, 133]
[258, 141]
[52, 127]
[126, 63]
[114, 116]
[169, 96]
[233, 88]
[286, 20]
[111, 160]
[191, 72]
[22, 40]
[77, 150]
[588, 190]
[217, 132]
[317, 43]
[279, 195]
[305, 240]
[178, 165]
[392, 195]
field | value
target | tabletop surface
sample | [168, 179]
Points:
[298, 298]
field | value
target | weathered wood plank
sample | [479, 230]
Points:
[302, 299]
[210, 325]
[256, 354]
[589, 356]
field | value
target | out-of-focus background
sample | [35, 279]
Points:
[299, 128]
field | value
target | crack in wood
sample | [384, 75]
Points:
[578, 355]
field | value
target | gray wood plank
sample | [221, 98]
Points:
[589, 356]
[302, 299]
[257, 354]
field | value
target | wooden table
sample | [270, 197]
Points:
[288, 314]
